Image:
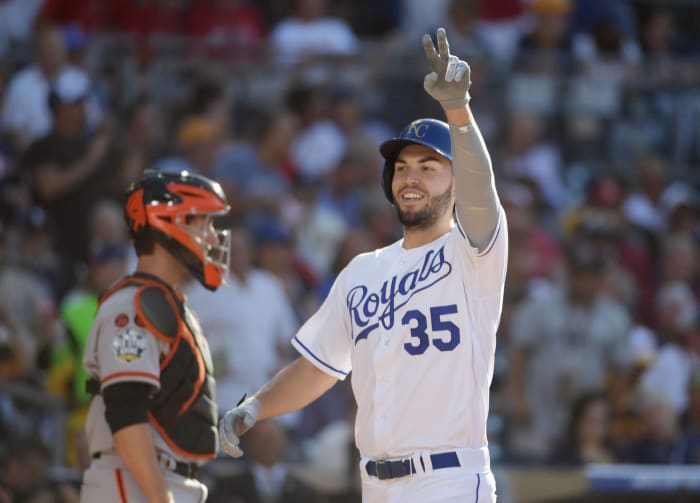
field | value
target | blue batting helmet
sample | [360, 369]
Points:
[431, 133]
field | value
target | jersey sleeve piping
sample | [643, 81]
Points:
[309, 355]
[146, 377]
[494, 237]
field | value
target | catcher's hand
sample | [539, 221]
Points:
[235, 423]
[449, 80]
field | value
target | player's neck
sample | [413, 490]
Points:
[163, 265]
[414, 237]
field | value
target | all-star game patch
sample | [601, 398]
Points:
[129, 345]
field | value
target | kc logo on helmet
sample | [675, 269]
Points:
[418, 129]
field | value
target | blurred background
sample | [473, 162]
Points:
[590, 110]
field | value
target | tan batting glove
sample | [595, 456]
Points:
[449, 81]
[235, 423]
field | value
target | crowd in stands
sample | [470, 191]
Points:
[591, 112]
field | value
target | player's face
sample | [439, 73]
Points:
[422, 186]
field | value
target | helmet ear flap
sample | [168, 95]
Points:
[135, 212]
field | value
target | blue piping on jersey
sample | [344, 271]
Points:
[478, 484]
[318, 359]
[493, 239]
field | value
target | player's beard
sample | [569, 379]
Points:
[425, 217]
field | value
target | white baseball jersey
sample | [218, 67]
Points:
[417, 328]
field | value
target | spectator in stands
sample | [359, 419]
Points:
[501, 24]
[141, 136]
[16, 22]
[36, 253]
[319, 144]
[680, 206]
[107, 226]
[348, 113]
[256, 172]
[328, 443]
[28, 326]
[530, 156]
[691, 419]
[598, 219]
[563, 341]
[24, 474]
[643, 205]
[678, 322]
[586, 438]
[228, 30]
[663, 442]
[71, 168]
[659, 37]
[317, 224]
[276, 253]
[248, 346]
[266, 477]
[545, 46]
[623, 385]
[604, 32]
[419, 17]
[209, 99]
[539, 255]
[343, 190]
[308, 32]
[26, 112]
[107, 262]
[199, 143]
[462, 23]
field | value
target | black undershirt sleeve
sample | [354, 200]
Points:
[126, 403]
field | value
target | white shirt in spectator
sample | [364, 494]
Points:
[245, 325]
[292, 39]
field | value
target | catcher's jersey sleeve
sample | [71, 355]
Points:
[119, 347]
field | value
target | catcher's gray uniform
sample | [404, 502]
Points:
[132, 342]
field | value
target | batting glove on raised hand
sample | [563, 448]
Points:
[235, 423]
[449, 81]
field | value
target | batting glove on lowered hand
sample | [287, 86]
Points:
[449, 81]
[235, 423]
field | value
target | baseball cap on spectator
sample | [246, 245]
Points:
[102, 252]
[272, 233]
[75, 38]
[642, 347]
[195, 130]
[679, 194]
[69, 87]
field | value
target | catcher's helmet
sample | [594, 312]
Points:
[160, 204]
[432, 133]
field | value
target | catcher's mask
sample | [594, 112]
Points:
[431, 133]
[163, 205]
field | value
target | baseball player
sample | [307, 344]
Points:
[416, 321]
[153, 418]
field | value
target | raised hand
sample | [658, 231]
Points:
[449, 80]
